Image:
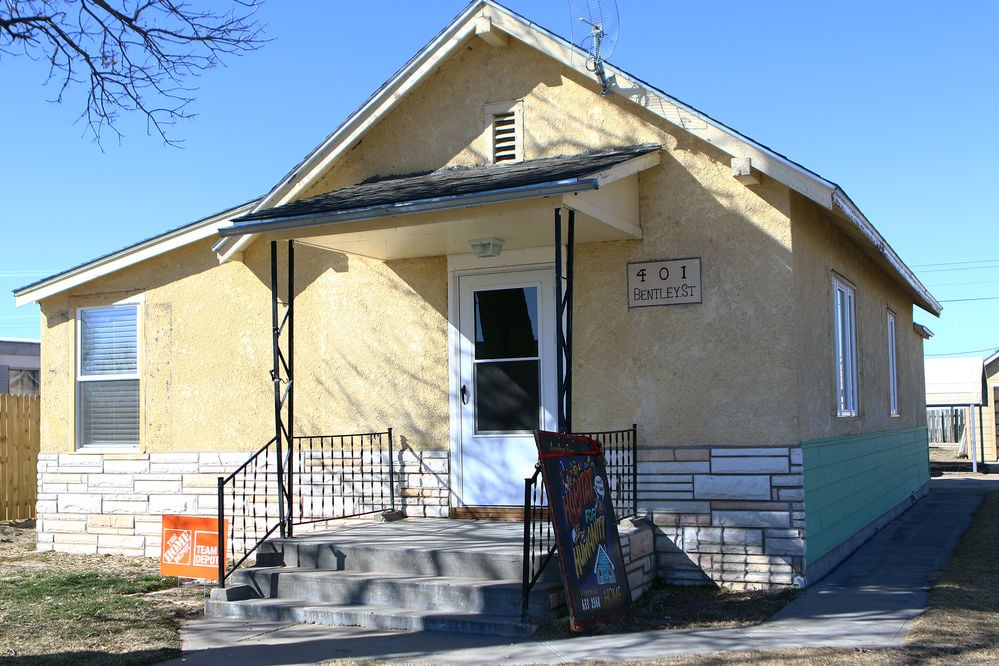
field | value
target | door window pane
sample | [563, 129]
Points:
[506, 323]
[508, 396]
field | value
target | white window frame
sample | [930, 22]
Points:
[892, 328]
[845, 347]
[82, 378]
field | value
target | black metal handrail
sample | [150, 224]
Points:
[539, 536]
[620, 452]
[333, 477]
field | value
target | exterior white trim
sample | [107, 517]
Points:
[845, 345]
[129, 256]
[137, 302]
[922, 296]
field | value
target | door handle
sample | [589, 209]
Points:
[464, 394]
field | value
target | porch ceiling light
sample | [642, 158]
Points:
[486, 247]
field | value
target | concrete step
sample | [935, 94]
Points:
[451, 593]
[370, 616]
[422, 574]
[422, 560]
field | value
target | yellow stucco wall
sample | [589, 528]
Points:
[820, 251]
[371, 346]
[696, 374]
[205, 349]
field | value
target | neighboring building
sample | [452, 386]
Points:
[956, 389]
[738, 308]
[991, 409]
[20, 366]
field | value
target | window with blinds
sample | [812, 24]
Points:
[108, 378]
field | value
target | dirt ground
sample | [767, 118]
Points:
[944, 459]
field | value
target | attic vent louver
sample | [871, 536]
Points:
[504, 121]
[504, 137]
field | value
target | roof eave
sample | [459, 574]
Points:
[128, 256]
[920, 294]
[430, 205]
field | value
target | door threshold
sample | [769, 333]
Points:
[502, 513]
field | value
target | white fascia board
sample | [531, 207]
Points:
[462, 28]
[922, 295]
[627, 168]
[374, 109]
[128, 256]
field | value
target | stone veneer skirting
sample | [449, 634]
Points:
[729, 515]
[112, 503]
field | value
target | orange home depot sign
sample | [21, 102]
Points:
[190, 547]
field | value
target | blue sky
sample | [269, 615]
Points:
[893, 101]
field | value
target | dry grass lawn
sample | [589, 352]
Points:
[60, 609]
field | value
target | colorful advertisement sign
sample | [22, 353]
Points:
[190, 547]
[582, 513]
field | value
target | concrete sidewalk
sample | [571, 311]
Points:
[868, 601]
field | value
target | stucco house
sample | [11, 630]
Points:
[487, 246]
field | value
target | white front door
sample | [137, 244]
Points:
[506, 383]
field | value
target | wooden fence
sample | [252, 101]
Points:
[946, 424]
[20, 418]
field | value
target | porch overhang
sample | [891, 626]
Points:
[440, 212]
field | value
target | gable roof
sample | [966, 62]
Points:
[992, 359]
[496, 24]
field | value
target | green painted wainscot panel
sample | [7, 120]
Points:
[851, 481]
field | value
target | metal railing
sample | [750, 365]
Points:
[322, 478]
[619, 449]
[539, 535]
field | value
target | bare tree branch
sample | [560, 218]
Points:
[130, 55]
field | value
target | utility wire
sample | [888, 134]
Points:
[989, 350]
[968, 300]
[961, 268]
[954, 263]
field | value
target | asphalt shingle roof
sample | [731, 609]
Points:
[450, 182]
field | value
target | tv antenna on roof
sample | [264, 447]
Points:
[594, 27]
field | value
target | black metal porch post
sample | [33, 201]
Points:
[563, 317]
[276, 380]
[290, 425]
[283, 372]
